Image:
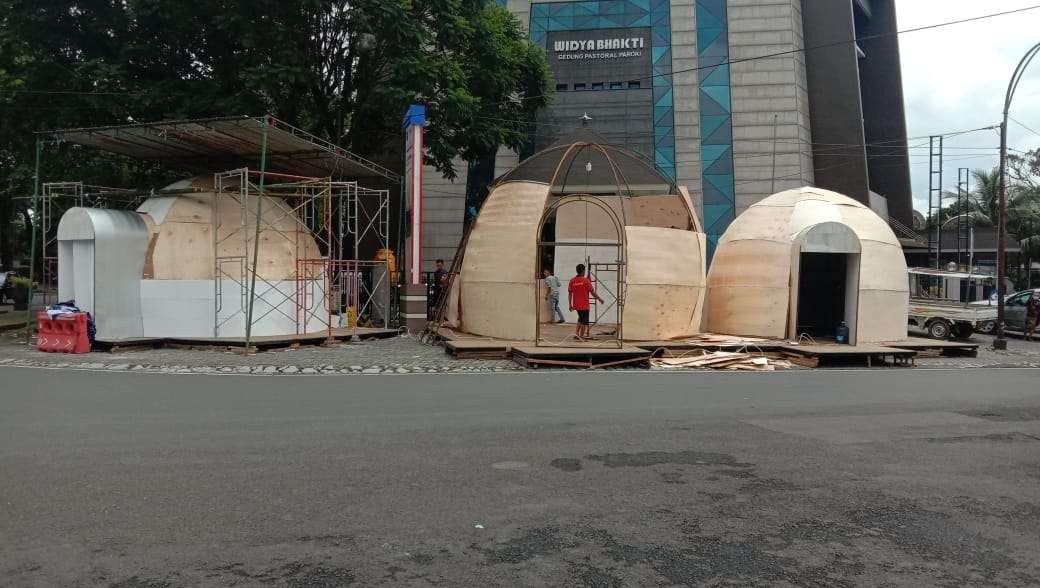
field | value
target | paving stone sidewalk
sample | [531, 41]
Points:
[398, 355]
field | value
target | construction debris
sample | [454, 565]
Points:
[725, 360]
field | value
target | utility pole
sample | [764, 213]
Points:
[999, 342]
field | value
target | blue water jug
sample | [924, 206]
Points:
[842, 335]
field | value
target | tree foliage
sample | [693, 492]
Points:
[342, 69]
[1022, 197]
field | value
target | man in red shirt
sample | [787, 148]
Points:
[578, 291]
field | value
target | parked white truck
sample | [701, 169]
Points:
[934, 309]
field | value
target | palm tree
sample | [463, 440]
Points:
[1023, 203]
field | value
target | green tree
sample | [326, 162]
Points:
[344, 70]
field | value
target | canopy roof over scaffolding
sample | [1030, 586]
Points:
[208, 145]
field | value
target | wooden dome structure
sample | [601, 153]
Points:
[802, 262]
[588, 203]
[192, 230]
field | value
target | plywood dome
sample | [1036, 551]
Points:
[183, 246]
[756, 277]
[497, 292]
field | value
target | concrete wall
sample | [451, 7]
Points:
[443, 215]
[884, 119]
[686, 98]
[834, 90]
[766, 88]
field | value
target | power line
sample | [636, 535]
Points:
[1023, 125]
[672, 73]
[829, 45]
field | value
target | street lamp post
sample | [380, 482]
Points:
[1000, 342]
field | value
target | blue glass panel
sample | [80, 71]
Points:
[717, 181]
[590, 14]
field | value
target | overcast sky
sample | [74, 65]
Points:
[955, 77]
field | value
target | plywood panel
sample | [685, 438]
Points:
[747, 311]
[451, 314]
[184, 244]
[666, 211]
[663, 256]
[497, 283]
[656, 312]
[760, 222]
[514, 202]
[790, 197]
[183, 251]
[697, 322]
[694, 214]
[190, 208]
[882, 316]
[808, 213]
[665, 283]
[867, 224]
[883, 267]
[580, 220]
[503, 311]
[501, 254]
[751, 263]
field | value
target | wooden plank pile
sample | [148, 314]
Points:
[729, 360]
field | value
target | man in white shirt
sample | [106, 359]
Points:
[552, 296]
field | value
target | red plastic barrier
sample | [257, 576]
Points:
[65, 333]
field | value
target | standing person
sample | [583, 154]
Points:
[578, 291]
[552, 296]
[440, 279]
[1032, 314]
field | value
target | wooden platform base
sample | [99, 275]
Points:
[600, 353]
[935, 347]
[581, 357]
[258, 343]
[867, 353]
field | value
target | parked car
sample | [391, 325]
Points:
[1014, 309]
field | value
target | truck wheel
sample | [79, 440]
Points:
[987, 327]
[939, 329]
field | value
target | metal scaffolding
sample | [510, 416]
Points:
[342, 218]
[56, 199]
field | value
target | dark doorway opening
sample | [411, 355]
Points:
[821, 293]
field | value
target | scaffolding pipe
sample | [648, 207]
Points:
[32, 246]
[256, 240]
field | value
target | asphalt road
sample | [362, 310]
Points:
[826, 478]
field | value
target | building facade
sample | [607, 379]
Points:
[734, 99]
